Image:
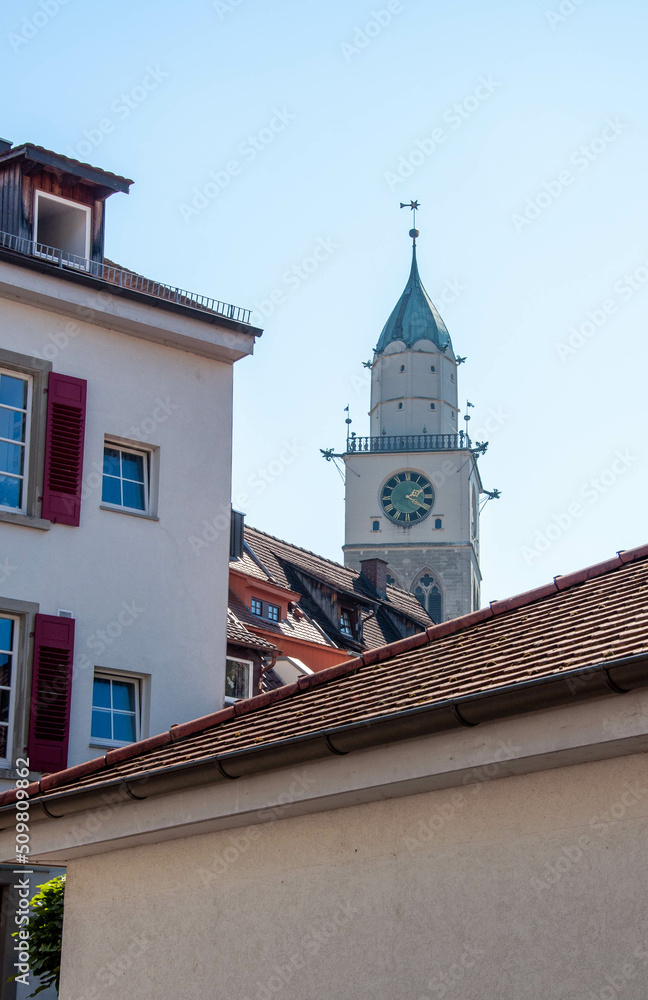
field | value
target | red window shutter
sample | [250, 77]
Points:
[49, 721]
[66, 405]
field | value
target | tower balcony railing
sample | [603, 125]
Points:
[123, 278]
[409, 442]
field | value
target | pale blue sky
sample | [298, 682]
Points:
[346, 108]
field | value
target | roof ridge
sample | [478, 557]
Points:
[300, 548]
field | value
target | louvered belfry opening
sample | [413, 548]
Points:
[66, 405]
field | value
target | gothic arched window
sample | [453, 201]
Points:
[428, 593]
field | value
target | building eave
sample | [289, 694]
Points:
[398, 754]
[74, 294]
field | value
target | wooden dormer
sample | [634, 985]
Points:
[48, 200]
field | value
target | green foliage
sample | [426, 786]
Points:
[45, 930]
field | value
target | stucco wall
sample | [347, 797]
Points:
[521, 888]
[148, 596]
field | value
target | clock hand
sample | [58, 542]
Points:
[412, 499]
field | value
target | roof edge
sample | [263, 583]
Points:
[250, 705]
[595, 680]
[67, 164]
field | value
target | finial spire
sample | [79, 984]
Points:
[414, 233]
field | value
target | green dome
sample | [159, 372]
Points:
[414, 317]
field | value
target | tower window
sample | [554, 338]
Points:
[438, 523]
[402, 368]
[432, 368]
[432, 406]
[400, 406]
[428, 593]
[452, 378]
[376, 526]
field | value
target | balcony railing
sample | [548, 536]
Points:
[409, 442]
[123, 278]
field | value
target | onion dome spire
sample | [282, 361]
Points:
[415, 316]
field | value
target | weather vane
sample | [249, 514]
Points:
[414, 233]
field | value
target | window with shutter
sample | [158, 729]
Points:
[66, 405]
[49, 722]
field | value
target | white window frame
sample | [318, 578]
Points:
[46, 196]
[15, 654]
[114, 675]
[144, 453]
[250, 663]
[28, 426]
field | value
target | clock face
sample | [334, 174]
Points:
[407, 497]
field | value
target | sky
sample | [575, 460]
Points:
[260, 132]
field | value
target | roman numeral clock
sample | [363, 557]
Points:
[407, 497]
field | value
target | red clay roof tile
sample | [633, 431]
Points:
[601, 615]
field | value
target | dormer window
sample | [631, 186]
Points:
[62, 225]
[346, 622]
[265, 610]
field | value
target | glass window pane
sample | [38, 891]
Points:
[123, 696]
[12, 424]
[11, 458]
[237, 679]
[133, 494]
[100, 725]
[4, 706]
[124, 727]
[5, 669]
[6, 634]
[133, 467]
[13, 391]
[3, 741]
[10, 492]
[111, 462]
[111, 490]
[101, 693]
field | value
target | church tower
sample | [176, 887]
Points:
[413, 486]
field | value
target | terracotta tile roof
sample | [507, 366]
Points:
[295, 626]
[237, 632]
[247, 564]
[270, 681]
[285, 562]
[576, 622]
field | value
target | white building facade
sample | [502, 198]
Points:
[413, 486]
[115, 464]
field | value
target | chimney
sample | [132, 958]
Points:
[375, 570]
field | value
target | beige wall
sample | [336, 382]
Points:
[522, 888]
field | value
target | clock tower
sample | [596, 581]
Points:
[412, 485]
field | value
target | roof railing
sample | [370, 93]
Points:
[123, 278]
[409, 442]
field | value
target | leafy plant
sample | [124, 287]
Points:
[45, 931]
